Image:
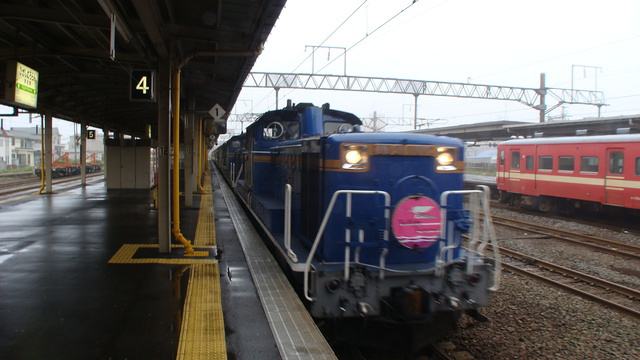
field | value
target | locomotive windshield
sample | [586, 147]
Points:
[333, 127]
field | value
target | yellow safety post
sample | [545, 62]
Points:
[176, 166]
[176, 138]
[200, 159]
[205, 158]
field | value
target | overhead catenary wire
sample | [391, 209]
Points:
[370, 33]
[333, 32]
[357, 42]
[322, 43]
[472, 54]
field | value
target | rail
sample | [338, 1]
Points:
[600, 244]
[34, 183]
[612, 295]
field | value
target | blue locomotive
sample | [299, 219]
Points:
[371, 224]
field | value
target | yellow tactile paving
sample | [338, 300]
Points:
[202, 332]
[205, 230]
[205, 238]
[126, 252]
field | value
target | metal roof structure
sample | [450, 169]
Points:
[589, 126]
[486, 131]
[69, 42]
[503, 130]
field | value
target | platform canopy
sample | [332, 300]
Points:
[85, 72]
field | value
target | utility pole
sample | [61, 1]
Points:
[542, 106]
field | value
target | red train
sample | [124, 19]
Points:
[565, 173]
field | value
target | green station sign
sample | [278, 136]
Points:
[21, 85]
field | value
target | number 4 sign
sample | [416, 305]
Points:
[142, 85]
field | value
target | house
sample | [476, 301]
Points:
[5, 149]
[26, 146]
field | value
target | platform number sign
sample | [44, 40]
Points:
[217, 112]
[142, 85]
[91, 134]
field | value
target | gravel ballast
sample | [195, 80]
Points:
[531, 320]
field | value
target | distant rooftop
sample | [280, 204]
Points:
[502, 130]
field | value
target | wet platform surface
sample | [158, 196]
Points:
[80, 278]
[62, 299]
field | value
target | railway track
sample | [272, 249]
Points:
[612, 295]
[597, 243]
[33, 183]
[621, 298]
[618, 297]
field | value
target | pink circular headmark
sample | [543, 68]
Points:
[416, 222]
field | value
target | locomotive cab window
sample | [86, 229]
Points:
[291, 130]
[281, 130]
[545, 163]
[566, 163]
[333, 127]
[589, 164]
[616, 162]
[502, 157]
[273, 131]
[637, 166]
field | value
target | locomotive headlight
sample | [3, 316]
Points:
[445, 159]
[354, 157]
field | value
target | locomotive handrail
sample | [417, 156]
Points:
[235, 181]
[327, 214]
[477, 243]
[491, 232]
[287, 223]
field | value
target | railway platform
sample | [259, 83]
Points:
[81, 278]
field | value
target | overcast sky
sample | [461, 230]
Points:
[595, 44]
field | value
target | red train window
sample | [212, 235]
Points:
[515, 160]
[589, 164]
[545, 163]
[638, 166]
[566, 163]
[616, 162]
[529, 162]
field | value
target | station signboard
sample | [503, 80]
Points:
[21, 87]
